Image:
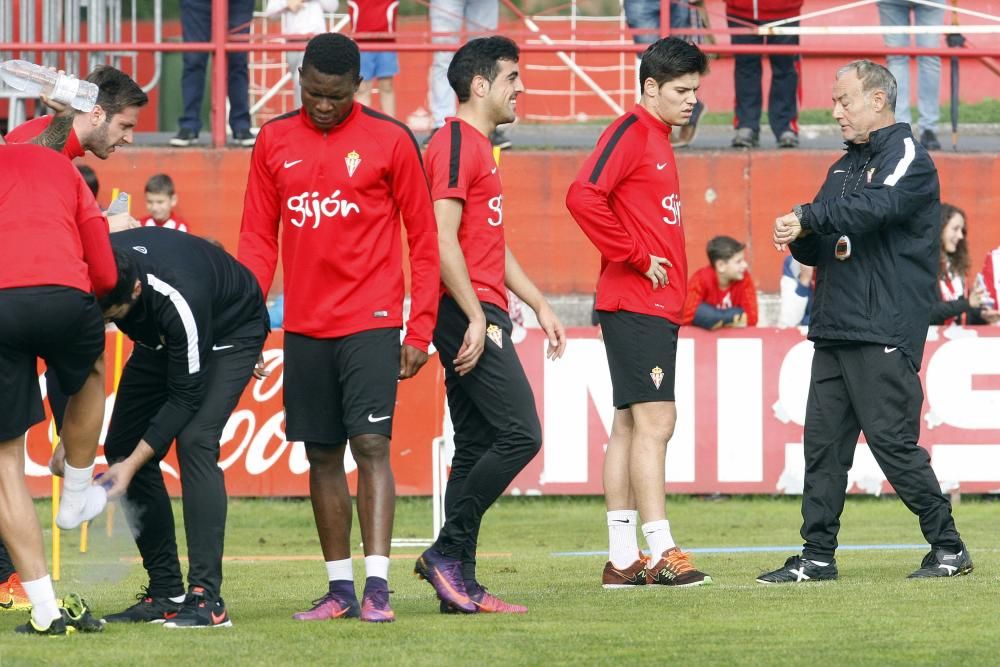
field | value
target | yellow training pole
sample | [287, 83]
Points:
[56, 547]
[109, 527]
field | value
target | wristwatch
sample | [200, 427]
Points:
[797, 210]
[800, 214]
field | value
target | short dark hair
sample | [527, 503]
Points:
[160, 184]
[90, 178]
[671, 58]
[479, 57]
[333, 53]
[723, 248]
[128, 273]
[117, 90]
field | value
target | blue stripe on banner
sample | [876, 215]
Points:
[765, 549]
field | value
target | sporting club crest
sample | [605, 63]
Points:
[657, 375]
[495, 334]
[352, 160]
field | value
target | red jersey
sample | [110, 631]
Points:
[704, 288]
[25, 132]
[173, 222]
[338, 196]
[626, 198]
[460, 165]
[51, 229]
[373, 16]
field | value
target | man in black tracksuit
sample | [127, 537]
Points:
[872, 233]
[199, 323]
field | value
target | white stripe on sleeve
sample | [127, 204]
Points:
[909, 153]
[187, 319]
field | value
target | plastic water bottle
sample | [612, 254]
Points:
[120, 205]
[36, 80]
[988, 302]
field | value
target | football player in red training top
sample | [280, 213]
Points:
[335, 176]
[496, 425]
[626, 199]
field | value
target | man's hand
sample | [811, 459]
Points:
[260, 368]
[57, 464]
[59, 109]
[786, 229]
[411, 360]
[554, 330]
[657, 271]
[472, 346]
[120, 222]
[117, 478]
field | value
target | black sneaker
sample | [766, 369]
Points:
[746, 138]
[930, 141]
[788, 139]
[200, 612]
[57, 628]
[148, 609]
[185, 137]
[244, 137]
[500, 140]
[943, 563]
[797, 569]
[77, 614]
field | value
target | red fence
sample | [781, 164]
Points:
[741, 403]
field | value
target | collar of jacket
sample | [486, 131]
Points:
[880, 138]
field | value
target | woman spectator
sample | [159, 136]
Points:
[954, 306]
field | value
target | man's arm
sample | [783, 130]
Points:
[455, 276]
[258, 245]
[519, 283]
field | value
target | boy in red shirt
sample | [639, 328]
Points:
[722, 294]
[161, 200]
[626, 198]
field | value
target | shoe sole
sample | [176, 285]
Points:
[960, 573]
[616, 587]
[707, 581]
[227, 624]
[805, 581]
[182, 143]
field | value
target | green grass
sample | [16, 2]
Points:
[987, 111]
[872, 615]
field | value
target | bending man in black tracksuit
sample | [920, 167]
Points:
[872, 233]
[199, 323]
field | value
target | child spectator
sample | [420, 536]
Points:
[90, 178]
[376, 16]
[161, 199]
[796, 294]
[722, 294]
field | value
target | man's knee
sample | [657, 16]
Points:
[369, 449]
[322, 456]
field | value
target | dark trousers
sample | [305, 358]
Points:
[862, 387]
[141, 394]
[783, 99]
[496, 429]
[196, 26]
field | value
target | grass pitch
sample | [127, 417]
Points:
[872, 615]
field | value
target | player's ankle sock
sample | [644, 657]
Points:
[44, 608]
[622, 544]
[377, 566]
[75, 483]
[340, 570]
[343, 588]
[658, 538]
[375, 584]
[81, 500]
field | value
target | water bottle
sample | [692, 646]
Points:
[36, 80]
[120, 205]
[988, 302]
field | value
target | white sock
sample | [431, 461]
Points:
[377, 566]
[75, 483]
[658, 538]
[44, 608]
[623, 548]
[340, 570]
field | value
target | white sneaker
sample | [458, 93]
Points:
[81, 507]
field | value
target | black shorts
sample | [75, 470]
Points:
[337, 388]
[642, 356]
[63, 326]
[495, 399]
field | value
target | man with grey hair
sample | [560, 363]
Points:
[872, 233]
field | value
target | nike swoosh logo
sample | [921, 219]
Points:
[291, 163]
[890, 349]
[493, 170]
[660, 165]
[838, 171]
[373, 419]
[218, 618]
[216, 348]
[621, 520]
